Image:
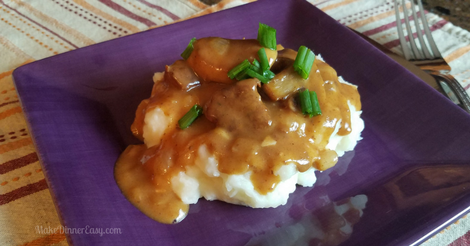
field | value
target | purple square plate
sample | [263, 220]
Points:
[407, 178]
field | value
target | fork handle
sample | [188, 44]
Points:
[462, 98]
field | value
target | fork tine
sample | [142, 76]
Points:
[404, 46]
[411, 38]
[424, 48]
[433, 45]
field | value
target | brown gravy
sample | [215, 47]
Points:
[241, 126]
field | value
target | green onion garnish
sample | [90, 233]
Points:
[305, 102]
[269, 74]
[256, 69]
[263, 59]
[304, 61]
[240, 67]
[256, 63]
[267, 36]
[190, 116]
[247, 70]
[242, 75]
[255, 66]
[187, 52]
[254, 74]
[315, 105]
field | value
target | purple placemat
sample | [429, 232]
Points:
[80, 106]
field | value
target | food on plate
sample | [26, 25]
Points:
[241, 121]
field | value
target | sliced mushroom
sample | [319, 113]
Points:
[212, 58]
[181, 75]
[285, 58]
[284, 84]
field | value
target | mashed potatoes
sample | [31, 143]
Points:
[252, 145]
[204, 179]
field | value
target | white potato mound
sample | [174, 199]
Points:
[342, 144]
[205, 180]
[155, 125]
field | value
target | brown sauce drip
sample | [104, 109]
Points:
[154, 199]
[274, 133]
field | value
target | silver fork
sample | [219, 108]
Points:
[430, 61]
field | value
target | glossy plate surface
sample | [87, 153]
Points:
[410, 173]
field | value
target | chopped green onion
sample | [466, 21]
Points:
[304, 61]
[256, 63]
[187, 52]
[190, 116]
[263, 59]
[254, 74]
[269, 74]
[267, 36]
[240, 67]
[315, 105]
[247, 70]
[305, 102]
[256, 69]
[255, 66]
[242, 75]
